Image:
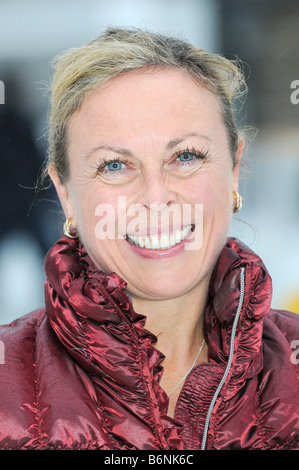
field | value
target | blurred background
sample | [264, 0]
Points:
[264, 34]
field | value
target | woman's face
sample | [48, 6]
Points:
[151, 181]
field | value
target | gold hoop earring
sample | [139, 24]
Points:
[67, 229]
[238, 202]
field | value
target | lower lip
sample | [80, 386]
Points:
[161, 254]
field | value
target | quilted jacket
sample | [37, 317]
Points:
[83, 372]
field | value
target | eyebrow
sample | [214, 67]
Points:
[121, 151]
[171, 144]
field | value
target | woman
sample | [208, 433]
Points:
[157, 331]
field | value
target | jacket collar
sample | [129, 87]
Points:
[93, 317]
[222, 307]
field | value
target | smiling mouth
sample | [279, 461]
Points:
[162, 242]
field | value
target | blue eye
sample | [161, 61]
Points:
[114, 166]
[190, 157]
[186, 157]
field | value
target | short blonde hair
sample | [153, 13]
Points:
[120, 50]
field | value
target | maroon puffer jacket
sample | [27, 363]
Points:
[84, 374]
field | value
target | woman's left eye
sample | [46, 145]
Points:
[190, 156]
[115, 166]
[186, 157]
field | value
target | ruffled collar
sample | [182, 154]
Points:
[92, 315]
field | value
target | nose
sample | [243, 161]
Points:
[156, 191]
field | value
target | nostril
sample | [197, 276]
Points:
[157, 194]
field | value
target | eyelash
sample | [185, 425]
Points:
[198, 156]
[194, 153]
[101, 168]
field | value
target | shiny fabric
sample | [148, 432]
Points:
[83, 372]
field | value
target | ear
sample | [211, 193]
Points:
[63, 194]
[236, 169]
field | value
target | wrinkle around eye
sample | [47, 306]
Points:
[187, 168]
[120, 177]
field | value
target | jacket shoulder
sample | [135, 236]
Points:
[17, 378]
[17, 341]
[279, 379]
[286, 322]
[44, 395]
[29, 318]
[19, 329]
[281, 338]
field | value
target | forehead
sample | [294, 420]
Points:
[147, 104]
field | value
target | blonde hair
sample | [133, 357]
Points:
[120, 50]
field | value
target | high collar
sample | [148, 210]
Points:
[93, 317]
[222, 306]
[77, 292]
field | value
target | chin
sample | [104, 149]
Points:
[163, 286]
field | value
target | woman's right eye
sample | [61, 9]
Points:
[112, 166]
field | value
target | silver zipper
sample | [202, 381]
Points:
[229, 362]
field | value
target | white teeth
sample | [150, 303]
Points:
[162, 243]
[147, 243]
[172, 240]
[140, 242]
[185, 232]
[155, 243]
[178, 236]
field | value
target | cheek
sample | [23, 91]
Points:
[213, 193]
[97, 215]
[101, 214]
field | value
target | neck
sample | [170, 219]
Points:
[177, 323]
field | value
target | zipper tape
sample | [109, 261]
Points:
[229, 362]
